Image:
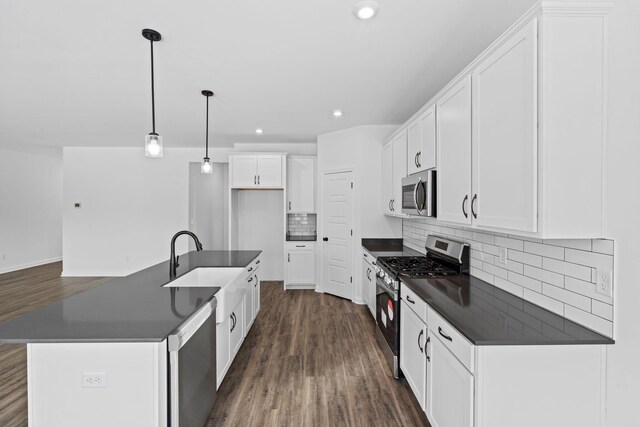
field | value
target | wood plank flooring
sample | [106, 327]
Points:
[312, 359]
[309, 359]
[22, 291]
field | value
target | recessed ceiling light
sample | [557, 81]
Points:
[366, 9]
[337, 113]
[259, 131]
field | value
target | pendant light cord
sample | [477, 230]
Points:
[207, 133]
[153, 95]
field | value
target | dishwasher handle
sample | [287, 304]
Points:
[179, 337]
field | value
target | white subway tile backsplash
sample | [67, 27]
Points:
[601, 309]
[544, 275]
[544, 301]
[603, 246]
[568, 269]
[509, 243]
[524, 281]
[589, 258]
[555, 274]
[589, 320]
[525, 258]
[568, 297]
[549, 251]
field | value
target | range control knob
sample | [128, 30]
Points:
[387, 280]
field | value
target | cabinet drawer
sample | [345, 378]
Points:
[301, 246]
[368, 257]
[452, 339]
[416, 303]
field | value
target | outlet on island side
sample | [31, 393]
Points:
[94, 380]
[603, 282]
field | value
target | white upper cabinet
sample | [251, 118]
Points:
[399, 169]
[454, 153]
[387, 179]
[421, 142]
[505, 135]
[256, 170]
[301, 184]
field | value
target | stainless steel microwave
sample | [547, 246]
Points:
[419, 194]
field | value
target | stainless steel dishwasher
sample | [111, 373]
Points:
[192, 368]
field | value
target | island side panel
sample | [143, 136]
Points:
[131, 391]
[546, 385]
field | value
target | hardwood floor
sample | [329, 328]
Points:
[22, 291]
[309, 359]
[312, 359]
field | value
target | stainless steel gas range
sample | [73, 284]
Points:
[445, 257]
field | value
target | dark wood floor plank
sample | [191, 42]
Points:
[312, 359]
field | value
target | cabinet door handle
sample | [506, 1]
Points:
[257, 281]
[255, 179]
[393, 202]
[250, 269]
[368, 271]
[426, 349]
[325, 239]
[233, 320]
[258, 179]
[464, 204]
[410, 300]
[257, 262]
[415, 160]
[289, 205]
[419, 337]
[419, 159]
[301, 246]
[250, 279]
[365, 255]
[445, 336]
[473, 206]
[288, 257]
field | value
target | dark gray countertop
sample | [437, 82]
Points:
[388, 247]
[487, 315]
[127, 309]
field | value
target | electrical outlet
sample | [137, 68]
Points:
[94, 380]
[503, 255]
[603, 282]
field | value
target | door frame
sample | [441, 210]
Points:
[355, 296]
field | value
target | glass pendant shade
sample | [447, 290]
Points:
[206, 166]
[153, 145]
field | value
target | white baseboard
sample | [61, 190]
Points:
[29, 265]
[358, 301]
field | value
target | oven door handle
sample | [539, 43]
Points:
[415, 196]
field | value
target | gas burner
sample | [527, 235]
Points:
[415, 266]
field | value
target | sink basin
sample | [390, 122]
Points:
[230, 280]
[206, 277]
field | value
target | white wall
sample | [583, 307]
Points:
[623, 210]
[131, 207]
[30, 207]
[208, 206]
[359, 148]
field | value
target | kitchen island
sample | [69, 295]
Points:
[101, 357]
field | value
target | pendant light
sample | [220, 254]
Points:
[206, 166]
[153, 141]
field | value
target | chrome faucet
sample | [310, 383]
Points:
[173, 261]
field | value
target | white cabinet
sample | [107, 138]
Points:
[300, 265]
[387, 177]
[248, 304]
[413, 359]
[421, 142]
[223, 353]
[505, 135]
[236, 328]
[394, 168]
[256, 295]
[450, 393]
[454, 153]
[256, 170]
[301, 184]
[369, 282]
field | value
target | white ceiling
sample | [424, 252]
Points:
[76, 72]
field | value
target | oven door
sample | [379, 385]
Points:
[387, 311]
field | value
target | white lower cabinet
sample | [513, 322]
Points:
[236, 328]
[300, 265]
[450, 394]
[250, 304]
[369, 283]
[413, 358]
[256, 295]
[223, 353]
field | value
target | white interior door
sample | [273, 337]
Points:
[337, 226]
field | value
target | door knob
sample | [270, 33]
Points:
[325, 239]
